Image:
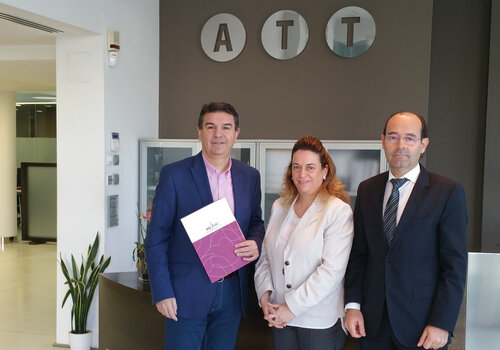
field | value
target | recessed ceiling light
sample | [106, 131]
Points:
[44, 97]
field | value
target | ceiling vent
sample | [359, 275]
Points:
[27, 23]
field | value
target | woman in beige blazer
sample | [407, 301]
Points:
[299, 276]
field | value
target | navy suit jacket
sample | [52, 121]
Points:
[174, 268]
[421, 276]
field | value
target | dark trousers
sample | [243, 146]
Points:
[296, 338]
[385, 339]
[218, 331]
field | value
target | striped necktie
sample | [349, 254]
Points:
[391, 209]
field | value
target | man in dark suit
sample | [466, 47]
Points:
[406, 275]
[199, 314]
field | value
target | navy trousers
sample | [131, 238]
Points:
[218, 331]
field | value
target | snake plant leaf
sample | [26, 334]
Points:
[82, 284]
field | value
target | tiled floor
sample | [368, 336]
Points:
[28, 303]
[28, 296]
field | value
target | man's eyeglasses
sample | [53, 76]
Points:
[407, 140]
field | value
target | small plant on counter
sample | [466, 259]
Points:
[139, 252]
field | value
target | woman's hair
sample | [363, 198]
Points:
[330, 186]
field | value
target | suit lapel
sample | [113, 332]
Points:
[378, 205]
[416, 197]
[200, 179]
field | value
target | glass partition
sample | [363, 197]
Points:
[482, 329]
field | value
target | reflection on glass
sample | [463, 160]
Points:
[277, 161]
[157, 157]
[36, 120]
[355, 166]
[350, 31]
[242, 154]
[285, 34]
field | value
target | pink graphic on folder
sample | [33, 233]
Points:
[213, 230]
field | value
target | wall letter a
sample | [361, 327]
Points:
[223, 32]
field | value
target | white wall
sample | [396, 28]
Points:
[80, 158]
[94, 100]
[131, 109]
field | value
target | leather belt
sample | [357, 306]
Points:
[229, 276]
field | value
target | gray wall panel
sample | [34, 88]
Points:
[430, 57]
[457, 102]
[316, 93]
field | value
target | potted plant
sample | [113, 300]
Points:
[139, 252]
[82, 282]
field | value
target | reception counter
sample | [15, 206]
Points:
[127, 319]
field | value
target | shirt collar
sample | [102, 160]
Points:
[412, 175]
[212, 170]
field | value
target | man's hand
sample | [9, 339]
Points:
[355, 323]
[247, 249]
[168, 308]
[433, 338]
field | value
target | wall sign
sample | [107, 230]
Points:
[284, 34]
[350, 31]
[223, 37]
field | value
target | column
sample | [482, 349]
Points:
[8, 174]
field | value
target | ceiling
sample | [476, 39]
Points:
[27, 58]
[28, 50]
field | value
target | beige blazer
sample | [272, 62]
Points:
[315, 257]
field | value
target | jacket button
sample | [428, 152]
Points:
[287, 263]
[289, 286]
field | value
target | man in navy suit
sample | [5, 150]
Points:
[200, 314]
[405, 280]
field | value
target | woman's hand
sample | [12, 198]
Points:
[283, 314]
[267, 309]
[276, 315]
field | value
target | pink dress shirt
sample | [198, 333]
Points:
[221, 183]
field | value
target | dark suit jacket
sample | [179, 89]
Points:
[174, 268]
[421, 276]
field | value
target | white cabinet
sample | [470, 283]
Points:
[156, 153]
[355, 161]
[153, 155]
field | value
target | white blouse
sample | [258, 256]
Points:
[286, 230]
